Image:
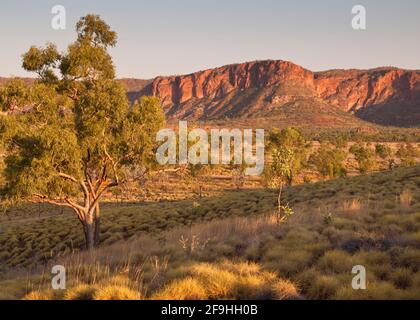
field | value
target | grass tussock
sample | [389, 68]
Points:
[228, 281]
[406, 198]
[352, 205]
[314, 251]
[225, 280]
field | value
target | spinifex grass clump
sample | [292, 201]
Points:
[314, 256]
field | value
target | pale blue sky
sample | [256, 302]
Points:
[163, 37]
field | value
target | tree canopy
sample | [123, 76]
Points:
[73, 135]
[290, 139]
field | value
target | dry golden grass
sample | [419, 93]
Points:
[406, 197]
[225, 280]
[116, 292]
[285, 290]
[228, 280]
[44, 295]
[184, 289]
[352, 205]
[315, 255]
[81, 292]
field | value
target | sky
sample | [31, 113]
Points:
[168, 37]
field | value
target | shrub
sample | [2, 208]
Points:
[365, 157]
[329, 161]
[401, 278]
[408, 155]
[323, 287]
[414, 238]
[336, 261]
[406, 197]
[377, 262]
[288, 262]
[408, 258]
[383, 151]
[378, 290]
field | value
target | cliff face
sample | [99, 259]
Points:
[217, 83]
[354, 90]
[283, 90]
[258, 88]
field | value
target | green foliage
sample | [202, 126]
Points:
[282, 166]
[281, 171]
[311, 250]
[13, 96]
[339, 141]
[43, 61]
[295, 156]
[408, 154]
[364, 156]
[373, 134]
[37, 143]
[77, 135]
[196, 170]
[94, 30]
[383, 151]
[328, 161]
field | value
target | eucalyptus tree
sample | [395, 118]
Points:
[73, 135]
[292, 139]
[281, 171]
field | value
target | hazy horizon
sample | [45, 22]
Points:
[181, 37]
[31, 75]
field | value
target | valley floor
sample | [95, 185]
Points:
[230, 246]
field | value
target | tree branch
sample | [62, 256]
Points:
[62, 202]
[68, 177]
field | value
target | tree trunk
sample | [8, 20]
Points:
[97, 225]
[279, 203]
[290, 179]
[91, 226]
[89, 235]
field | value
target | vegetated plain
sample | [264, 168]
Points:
[228, 246]
[68, 137]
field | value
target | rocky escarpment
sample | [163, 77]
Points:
[217, 83]
[283, 90]
[384, 95]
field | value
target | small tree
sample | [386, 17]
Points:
[238, 175]
[365, 158]
[79, 137]
[328, 161]
[195, 174]
[291, 139]
[280, 173]
[408, 155]
[384, 152]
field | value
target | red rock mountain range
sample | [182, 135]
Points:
[276, 90]
[387, 96]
